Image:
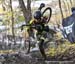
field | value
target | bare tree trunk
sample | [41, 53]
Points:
[65, 8]
[71, 2]
[29, 9]
[61, 9]
[12, 20]
[68, 6]
[26, 10]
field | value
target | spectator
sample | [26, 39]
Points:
[68, 26]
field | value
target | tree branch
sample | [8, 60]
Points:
[22, 5]
[29, 4]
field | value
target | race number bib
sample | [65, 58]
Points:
[68, 29]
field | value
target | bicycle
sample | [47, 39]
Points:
[39, 36]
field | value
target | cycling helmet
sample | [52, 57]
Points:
[73, 9]
[37, 15]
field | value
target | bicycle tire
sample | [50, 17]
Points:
[27, 46]
[50, 10]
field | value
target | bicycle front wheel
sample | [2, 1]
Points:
[47, 12]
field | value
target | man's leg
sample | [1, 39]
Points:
[41, 47]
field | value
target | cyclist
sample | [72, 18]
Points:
[41, 25]
[40, 22]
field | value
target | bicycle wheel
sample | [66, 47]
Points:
[27, 46]
[47, 13]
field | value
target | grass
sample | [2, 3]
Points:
[62, 51]
[6, 51]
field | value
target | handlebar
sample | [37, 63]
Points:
[32, 26]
